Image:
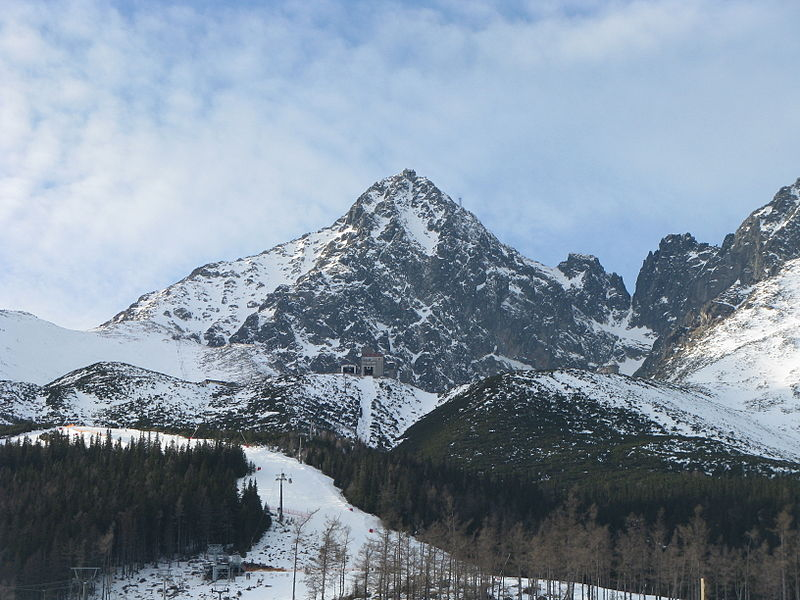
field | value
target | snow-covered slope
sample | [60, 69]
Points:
[751, 359]
[37, 351]
[730, 315]
[213, 301]
[309, 492]
[379, 411]
[682, 410]
[575, 422]
[376, 411]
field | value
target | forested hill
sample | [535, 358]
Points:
[575, 425]
[657, 534]
[126, 504]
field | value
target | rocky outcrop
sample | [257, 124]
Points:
[686, 285]
[671, 282]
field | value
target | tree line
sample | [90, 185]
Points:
[643, 533]
[571, 556]
[657, 536]
[69, 501]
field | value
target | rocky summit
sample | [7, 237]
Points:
[408, 273]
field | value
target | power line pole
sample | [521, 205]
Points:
[282, 477]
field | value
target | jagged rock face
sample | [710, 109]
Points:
[686, 284]
[752, 356]
[768, 237]
[413, 275]
[667, 286]
[591, 285]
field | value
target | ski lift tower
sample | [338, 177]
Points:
[282, 477]
[166, 576]
[218, 589]
[84, 576]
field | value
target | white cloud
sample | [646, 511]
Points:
[138, 142]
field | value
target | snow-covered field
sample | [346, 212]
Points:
[36, 351]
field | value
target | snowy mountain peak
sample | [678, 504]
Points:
[780, 217]
[409, 272]
[405, 206]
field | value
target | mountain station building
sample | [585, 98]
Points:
[371, 363]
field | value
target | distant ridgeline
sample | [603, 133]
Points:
[66, 502]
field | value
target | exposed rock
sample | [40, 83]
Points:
[412, 274]
[375, 410]
[686, 285]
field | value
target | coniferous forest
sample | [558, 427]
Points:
[75, 502]
[656, 535]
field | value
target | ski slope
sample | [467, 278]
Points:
[312, 495]
[310, 491]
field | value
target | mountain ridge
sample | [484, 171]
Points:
[412, 274]
[108, 394]
[686, 284]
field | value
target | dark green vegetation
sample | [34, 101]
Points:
[560, 486]
[70, 503]
[538, 425]
[655, 533]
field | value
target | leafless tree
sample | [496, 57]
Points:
[322, 565]
[297, 538]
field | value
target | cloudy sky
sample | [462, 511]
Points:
[139, 140]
